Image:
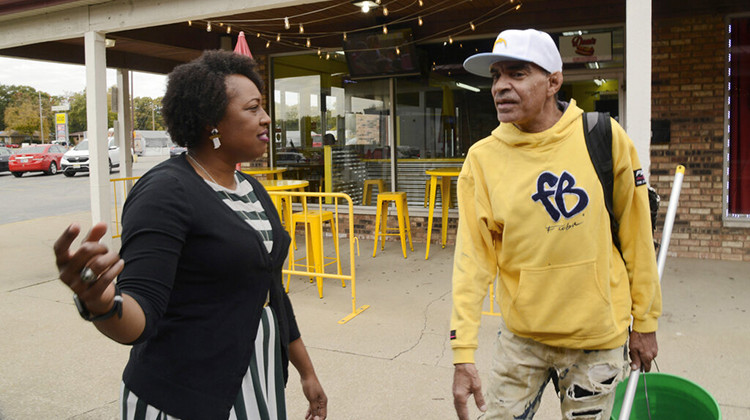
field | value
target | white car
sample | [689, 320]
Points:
[77, 159]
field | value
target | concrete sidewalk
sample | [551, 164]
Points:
[392, 361]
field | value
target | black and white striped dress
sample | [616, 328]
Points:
[261, 396]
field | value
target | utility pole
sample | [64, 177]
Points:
[41, 121]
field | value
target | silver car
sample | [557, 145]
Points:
[77, 159]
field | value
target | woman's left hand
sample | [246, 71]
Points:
[314, 393]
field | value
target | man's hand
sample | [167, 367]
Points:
[643, 349]
[466, 382]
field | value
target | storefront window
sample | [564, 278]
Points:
[434, 118]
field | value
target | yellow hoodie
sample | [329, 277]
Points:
[531, 210]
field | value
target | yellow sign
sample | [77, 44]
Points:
[60, 118]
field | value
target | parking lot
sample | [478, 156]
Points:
[39, 195]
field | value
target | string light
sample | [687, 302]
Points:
[229, 29]
[385, 29]
[328, 56]
[221, 25]
[308, 43]
[268, 44]
[419, 20]
[398, 51]
[518, 7]
[286, 23]
[208, 27]
[319, 52]
[278, 37]
[377, 1]
[301, 29]
[421, 3]
[366, 8]
[450, 39]
[471, 25]
[385, 11]
[257, 35]
[190, 23]
[344, 36]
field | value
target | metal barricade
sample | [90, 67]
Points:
[319, 210]
[123, 185]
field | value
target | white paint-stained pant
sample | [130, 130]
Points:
[521, 369]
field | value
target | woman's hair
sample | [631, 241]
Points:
[196, 95]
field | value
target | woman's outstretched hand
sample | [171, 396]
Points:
[98, 295]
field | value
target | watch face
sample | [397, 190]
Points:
[81, 308]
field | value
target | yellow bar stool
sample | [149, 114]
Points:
[381, 220]
[314, 253]
[367, 190]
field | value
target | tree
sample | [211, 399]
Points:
[21, 107]
[147, 114]
[77, 113]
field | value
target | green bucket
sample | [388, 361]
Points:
[669, 397]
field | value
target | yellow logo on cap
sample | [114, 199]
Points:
[499, 40]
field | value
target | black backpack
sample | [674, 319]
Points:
[597, 129]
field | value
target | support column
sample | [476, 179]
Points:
[125, 129]
[96, 116]
[638, 78]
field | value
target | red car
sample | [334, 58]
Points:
[40, 157]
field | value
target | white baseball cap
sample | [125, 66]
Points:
[518, 45]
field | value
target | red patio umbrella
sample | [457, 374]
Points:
[241, 47]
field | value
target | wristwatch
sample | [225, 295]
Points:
[88, 316]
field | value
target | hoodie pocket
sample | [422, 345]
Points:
[563, 300]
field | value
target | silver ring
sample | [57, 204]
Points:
[88, 276]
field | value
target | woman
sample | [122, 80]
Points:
[199, 292]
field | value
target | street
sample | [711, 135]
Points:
[37, 195]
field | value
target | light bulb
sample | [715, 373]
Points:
[286, 23]
[301, 29]
[398, 51]
[190, 23]
[344, 36]
[308, 43]
[278, 37]
[365, 8]
[229, 29]
[268, 44]
[450, 39]
[208, 27]
[385, 29]
[471, 25]
[419, 21]
[421, 3]
[385, 11]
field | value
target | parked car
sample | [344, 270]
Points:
[4, 156]
[39, 157]
[77, 159]
[175, 151]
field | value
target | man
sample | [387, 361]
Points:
[532, 211]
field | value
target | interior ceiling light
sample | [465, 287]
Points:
[365, 5]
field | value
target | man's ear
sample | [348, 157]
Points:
[555, 83]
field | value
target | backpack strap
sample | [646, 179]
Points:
[597, 129]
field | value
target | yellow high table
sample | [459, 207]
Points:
[272, 173]
[445, 175]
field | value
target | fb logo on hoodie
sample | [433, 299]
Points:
[553, 198]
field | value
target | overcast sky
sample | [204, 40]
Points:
[58, 78]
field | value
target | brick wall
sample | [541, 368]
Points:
[688, 90]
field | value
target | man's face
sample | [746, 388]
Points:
[520, 90]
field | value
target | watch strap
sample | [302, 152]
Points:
[88, 316]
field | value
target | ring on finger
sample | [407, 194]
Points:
[88, 276]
